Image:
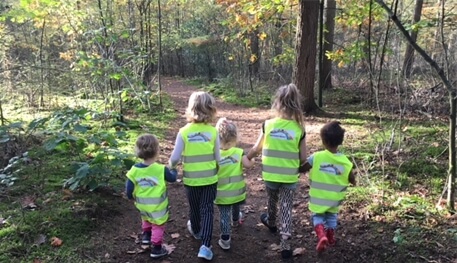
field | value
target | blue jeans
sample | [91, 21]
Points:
[329, 220]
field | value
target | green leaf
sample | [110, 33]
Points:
[80, 128]
[83, 171]
[92, 185]
[37, 123]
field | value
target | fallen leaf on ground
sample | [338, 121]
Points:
[169, 247]
[175, 235]
[28, 202]
[275, 247]
[259, 224]
[56, 242]
[298, 251]
[136, 251]
[299, 236]
[40, 239]
[134, 236]
[144, 247]
[107, 255]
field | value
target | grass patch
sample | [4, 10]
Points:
[259, 96]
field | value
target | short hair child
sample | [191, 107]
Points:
[330, 175]
[148, 180]
[198, 144]
[231, 188]
[283, 146]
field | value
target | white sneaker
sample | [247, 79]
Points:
[240, 220]
[224, 244]
[205, 252]
[189, 228]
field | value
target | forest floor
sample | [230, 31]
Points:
[362, 236]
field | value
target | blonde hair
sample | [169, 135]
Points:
[147, 146]
[201, 107]
[287, 103]
[228, 133]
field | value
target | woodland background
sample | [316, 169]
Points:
[80, 79]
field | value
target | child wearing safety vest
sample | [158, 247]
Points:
[198, 145]
[283, 146]
[231, 187]
[329, 177]
[146, 184]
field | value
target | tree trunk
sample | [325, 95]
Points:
[329, 22]
[305, 63]
[159, 61]
[255, 53]
[409, 53]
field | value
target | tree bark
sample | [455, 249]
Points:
[254, 48]
[409, 53]
[329, 22]
[305, 63]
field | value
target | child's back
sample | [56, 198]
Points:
[231, 187]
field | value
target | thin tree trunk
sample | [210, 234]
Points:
[328, 42]
[159, 61]
[2, 118]
[41, 65]
[321, 53]
[409, 53]
[255, 52]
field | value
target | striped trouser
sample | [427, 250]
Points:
[201, 204]
[228, 213]
[285, 196]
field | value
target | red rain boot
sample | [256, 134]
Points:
[331, 236]
[322, 238]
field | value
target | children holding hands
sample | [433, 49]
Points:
[213, 173]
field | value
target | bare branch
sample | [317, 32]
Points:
[419, 50]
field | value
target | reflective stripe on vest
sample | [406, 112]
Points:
[150, 192]
[157, 214]
[151, 200]
[329, 178]
[279, 170]
[328, 187]
[199, 158]
[231, 187]
[280, 154]
[230, 180]
[325, 202]
[230, 193]
[200, 174]
[199, 163]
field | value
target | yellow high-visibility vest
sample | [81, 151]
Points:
[281, 150]
[150, 192]
[329, 179]
[199, 160]
[231, 187]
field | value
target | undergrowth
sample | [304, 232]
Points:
[77, 155]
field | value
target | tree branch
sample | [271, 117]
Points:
[419, 50]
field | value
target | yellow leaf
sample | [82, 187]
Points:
[253, 58]
[262, 36]
[341, 64]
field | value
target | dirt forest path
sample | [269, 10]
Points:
[251, 242]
